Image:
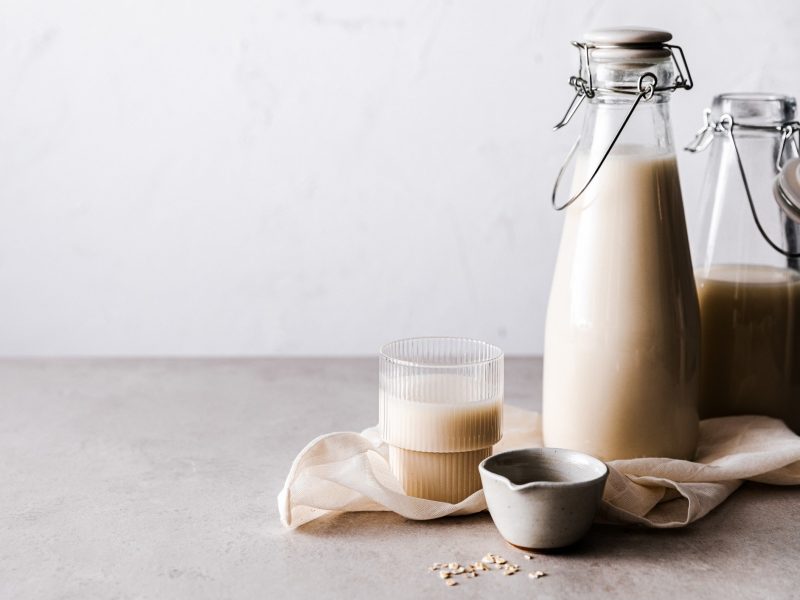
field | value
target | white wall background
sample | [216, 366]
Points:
[309, 177]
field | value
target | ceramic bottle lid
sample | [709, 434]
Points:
[620, 43]
[627, 36]
[787, 189]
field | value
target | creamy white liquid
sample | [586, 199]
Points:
[622, 331]
[438, 432]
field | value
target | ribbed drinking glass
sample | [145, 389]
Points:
[441, 410]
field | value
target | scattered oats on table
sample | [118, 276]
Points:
[537, 575]
[448, 571]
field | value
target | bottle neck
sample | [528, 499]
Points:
[648, 129]
[727, 232]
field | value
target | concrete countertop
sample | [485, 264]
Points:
[157, 479]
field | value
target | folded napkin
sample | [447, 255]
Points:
[350, 472]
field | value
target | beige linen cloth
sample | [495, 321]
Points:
[350, 472]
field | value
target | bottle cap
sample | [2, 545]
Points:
[631, 43]
[627, 36]
[787, 189]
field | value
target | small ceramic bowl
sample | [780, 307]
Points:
[543, 497]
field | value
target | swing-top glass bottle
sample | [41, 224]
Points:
[622, 331]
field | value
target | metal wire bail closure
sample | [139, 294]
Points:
[726, 124]
[585, 86]
[647, 85]
[789, 132]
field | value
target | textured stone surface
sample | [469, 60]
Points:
[157, 479]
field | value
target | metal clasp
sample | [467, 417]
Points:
[646, 91]
[789, 131]
[584, 86]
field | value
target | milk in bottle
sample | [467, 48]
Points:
[747, 252]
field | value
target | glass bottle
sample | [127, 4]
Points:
[622, 331]
[746, 251]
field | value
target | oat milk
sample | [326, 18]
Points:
[622, 333]
[751, 341]
[436, 444]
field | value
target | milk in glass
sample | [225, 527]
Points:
[441, 410]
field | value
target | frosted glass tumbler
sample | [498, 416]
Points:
[441, 411]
